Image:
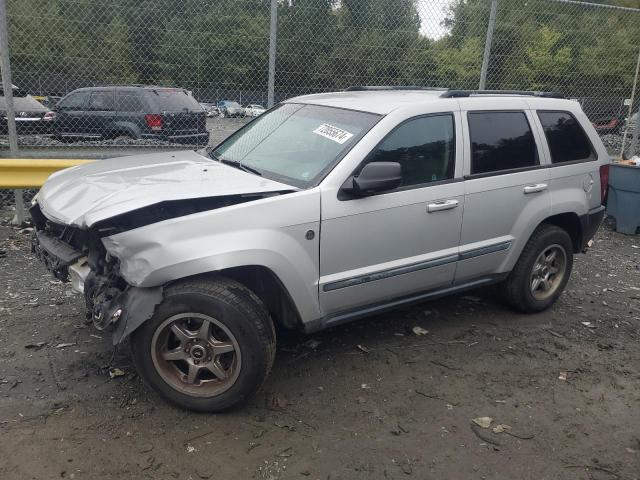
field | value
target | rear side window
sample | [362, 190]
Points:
[567, 140]
[129, 102]
[501, 141]
[75, 100]
[424, 147]
[174, 100]
[101, 101]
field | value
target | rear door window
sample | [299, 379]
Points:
[500, 142]
[101, 101]
[567, 140]
[129, 102]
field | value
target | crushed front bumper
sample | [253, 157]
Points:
[122, 311]
[56, 255]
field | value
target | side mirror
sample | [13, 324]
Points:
[374, 178]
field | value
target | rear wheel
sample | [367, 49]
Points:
[122, 136]
[209, 346]
[542, 271]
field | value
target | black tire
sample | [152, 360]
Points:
[517, 289]
[236, 308]
[119, 136]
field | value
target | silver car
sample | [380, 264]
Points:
[328, 208]
[254, 110]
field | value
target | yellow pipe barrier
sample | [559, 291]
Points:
[31, 172]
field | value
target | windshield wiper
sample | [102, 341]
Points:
[237, 164]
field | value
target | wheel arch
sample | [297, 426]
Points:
[273, 293]
[127, 128]
[265, 284]
[569, 222]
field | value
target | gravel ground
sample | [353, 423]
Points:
[368, 400]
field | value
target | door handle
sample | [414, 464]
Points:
[442, 205]
[538, 187]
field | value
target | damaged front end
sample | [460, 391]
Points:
[78, 256]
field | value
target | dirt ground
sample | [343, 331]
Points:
[369, 400]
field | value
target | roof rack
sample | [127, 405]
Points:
[469, 93]
[366, 88]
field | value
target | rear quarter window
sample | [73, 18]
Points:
[174, 100]
[567, 141]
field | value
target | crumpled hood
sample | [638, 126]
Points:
[86, 194]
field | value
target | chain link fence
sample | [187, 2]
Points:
[186, 73]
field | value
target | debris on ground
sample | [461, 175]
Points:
[501, 428]
[562, 376]
[286, 426]
[116, 372]
[484, 436]
[35, 346]
[483, 422]
[419, 331]
[64, 345]
[277, 401]
[363, 349]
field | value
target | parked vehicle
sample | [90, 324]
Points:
[161, 113]
[210, 109]
[254, 110]
[326, 209]
[31, 116]
[606, 114]
[229, 108]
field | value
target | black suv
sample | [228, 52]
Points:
[162, 113]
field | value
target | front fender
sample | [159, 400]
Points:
[210, 241]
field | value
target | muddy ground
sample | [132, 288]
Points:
[369, 400]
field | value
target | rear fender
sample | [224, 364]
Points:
[127, 127]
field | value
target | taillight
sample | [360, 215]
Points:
[49, 116]
[154, 121]
[604, 182]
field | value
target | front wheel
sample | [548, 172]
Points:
[208, 347]
[542, 271]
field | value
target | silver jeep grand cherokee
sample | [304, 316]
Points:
[327, 208]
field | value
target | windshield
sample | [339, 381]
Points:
[296, 143]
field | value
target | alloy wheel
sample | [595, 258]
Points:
[548, 271]
[196, 354]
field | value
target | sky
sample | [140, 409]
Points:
[432, 13]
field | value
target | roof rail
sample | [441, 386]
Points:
[366, 88]
[469, 93]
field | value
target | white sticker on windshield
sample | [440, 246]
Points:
[333, 133]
